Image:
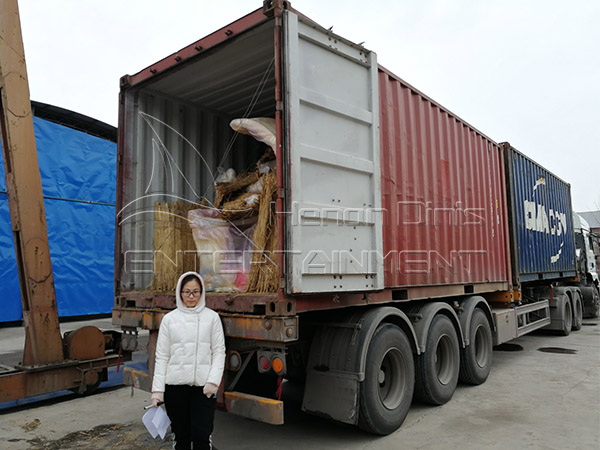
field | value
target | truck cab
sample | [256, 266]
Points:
[587, 267]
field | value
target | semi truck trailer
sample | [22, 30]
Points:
[403, 243]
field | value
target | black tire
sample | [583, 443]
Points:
[591, 298]
[568, 318]
[476, 358]
[387, 390]
[577, 313]
[437, 369]
[596, 312]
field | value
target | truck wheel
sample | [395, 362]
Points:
[387, 391]
[437, 369]
[577, 313]
[591, 298]
[567, 318]
[476, 358]
[596, 301]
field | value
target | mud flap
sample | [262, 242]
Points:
[333, 395]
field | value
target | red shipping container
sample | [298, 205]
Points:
[443, 192]
[444, 229]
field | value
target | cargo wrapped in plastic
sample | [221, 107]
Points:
[224, 249]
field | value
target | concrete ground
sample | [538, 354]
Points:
[533, 399]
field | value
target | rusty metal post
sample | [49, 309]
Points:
[43, 343]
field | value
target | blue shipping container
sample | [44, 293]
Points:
[78, 173]
[540, 218]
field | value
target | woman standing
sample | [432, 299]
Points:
[190, 356]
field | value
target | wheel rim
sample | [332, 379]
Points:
[568, 316]
[391, 379]
[481, 347]
[444, 366]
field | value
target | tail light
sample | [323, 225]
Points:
[278, 365]
[271, 360]
[264, 364]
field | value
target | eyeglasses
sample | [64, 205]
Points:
[191, 294]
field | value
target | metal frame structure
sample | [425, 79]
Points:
[49, 363]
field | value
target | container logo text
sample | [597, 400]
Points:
[550, 222]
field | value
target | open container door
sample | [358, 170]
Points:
[334, 225]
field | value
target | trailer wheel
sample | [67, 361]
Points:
[476, 358]
[387, 390]
[577, 313]
[567, 318]
[437, 369]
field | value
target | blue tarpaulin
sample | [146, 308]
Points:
[79, 181]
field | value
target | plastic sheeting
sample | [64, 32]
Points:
[79, 181]
[224, 250]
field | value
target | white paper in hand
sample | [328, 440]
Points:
[157, 422]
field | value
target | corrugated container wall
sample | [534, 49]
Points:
[442, 182]
[540, 219]
[443, 194]
[177, 135]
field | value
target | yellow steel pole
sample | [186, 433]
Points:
[43, 343]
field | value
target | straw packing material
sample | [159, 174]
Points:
[243, 207]
[224, 191]
[174, 247]
[264, 272]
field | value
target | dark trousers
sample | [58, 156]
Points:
[192, 415]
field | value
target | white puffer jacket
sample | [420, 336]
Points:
[191, 346]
